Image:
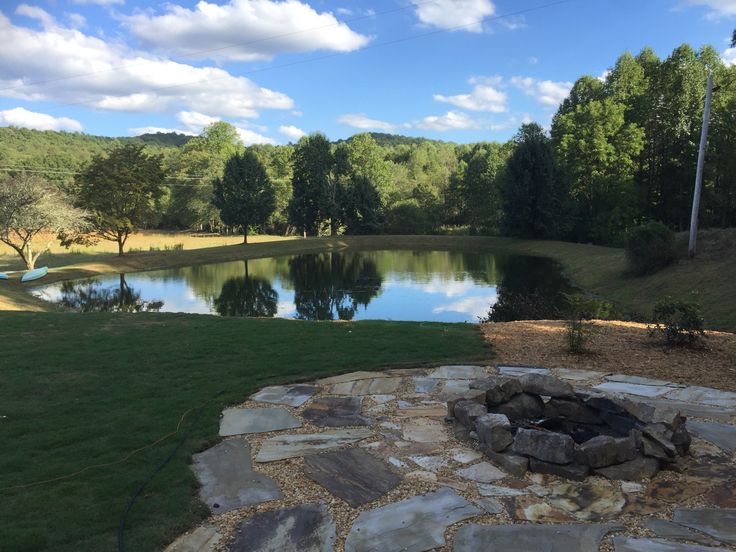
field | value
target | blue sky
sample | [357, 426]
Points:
[456, 70]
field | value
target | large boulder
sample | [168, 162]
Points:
[549, 386]
[475, 395]
[498, 389]
[570, 410]
[522, 407]
[573, 470]
[604, 450]
[639, 468]
[467, 412]
[494, 431]
[545, 445]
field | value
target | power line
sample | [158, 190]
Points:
[333, 55]
[196, 53]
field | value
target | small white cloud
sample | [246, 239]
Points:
[716, 8]
[464, 15]
[546, 92]
[452, 120]
[533, 60]
[359, 120]
[483, 97]
[729, 56]
[604, 75]
[40, 121]
[249, 137]
[195, 121]
[513, 23]
[292, 132]
[99, 2]
[34, 12]
[76, 20]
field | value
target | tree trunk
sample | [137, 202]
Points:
[28, 258]
[245, 234]
[120, 246]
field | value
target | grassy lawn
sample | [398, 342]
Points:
[78, 390]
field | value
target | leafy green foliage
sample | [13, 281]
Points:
[121, 193]
[533, 194]
[313, 190]
[244, 195]
[649, 248]
[361, 206]
[680, 322]
[579, 329]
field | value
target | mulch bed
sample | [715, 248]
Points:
[617, 347]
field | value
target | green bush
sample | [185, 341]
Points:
[649, 248]
[580, 311]
[679, 322]
[409, 217]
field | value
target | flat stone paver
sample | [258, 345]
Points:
[624, 378]
[227, 479]
[629, 544]
[423, 384]
[202, 539]
[704, 395]
[431, 463]
[667, 407]
[239, 421]
[721, 435]
[303, 528]
[354, 475]
[368, 386]
[458, 372]
[352, 376]
[425, 431]
[484, 472]
[519, 371]
[671, 530]
[336, 412]
[495, 490]
[587, 501]
[413, 525]
[717, 523]
[452, 388]
[292, 446]
[490, 505]
[633, 389]
[572, 374]
[287, 395]
[547, 538]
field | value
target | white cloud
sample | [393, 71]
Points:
[39, 14]
[115, 77]
[292, 132]
[533, 60]
[452, 120]
[546, 92]
[40, 121]
[153, 130]
[99, 2]
[483, 97]
[76, 20]
[513, 23]
[716, 8]
[194, 121]
[476, 306]
[359, 120]
[249, 137]
[729, 56]
[243, 30]
[464, 15]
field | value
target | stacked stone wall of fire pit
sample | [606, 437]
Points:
[540, 423]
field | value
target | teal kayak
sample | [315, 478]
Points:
[3, 276]
[35, 274]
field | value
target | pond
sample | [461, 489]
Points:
[442, 286]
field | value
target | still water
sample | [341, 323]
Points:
[443, 286]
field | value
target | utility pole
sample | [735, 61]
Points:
[699, 172]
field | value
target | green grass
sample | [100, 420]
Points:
[78, 390]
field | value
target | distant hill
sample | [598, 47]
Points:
[165, 139]
[388, 140]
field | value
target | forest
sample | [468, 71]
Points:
[620, 151]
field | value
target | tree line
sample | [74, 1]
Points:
[621, 151]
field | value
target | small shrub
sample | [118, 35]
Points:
[579, 328]
[679, 322]
[514, 305]
[174, 247]
[649, 248]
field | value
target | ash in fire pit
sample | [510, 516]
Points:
[571, 434]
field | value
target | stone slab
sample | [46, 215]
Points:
[303, 528]
[721, 435]
[203, 539]
[671, 530]
[352, 376]
[292, 446]
[717, 523]
[424, 384]
[354, 475]
[431, 463]
[490, 505]
[412, 525]
[465, 455]
[239, 421]
[495, 490]
[457, 372]
[519, 371]
[573, 374]
[484, 472]
[336, 412]
[373, 386]
[633, 389]
[425, 431]
[287, 395]
[704, 395]
[629, 544]
[588, 501]
[453, 388]
[665, 407]
[227, 479]
[548, 538]
[639, 380]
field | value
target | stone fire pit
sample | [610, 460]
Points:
[540, 423]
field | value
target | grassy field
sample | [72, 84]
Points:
[79, 390]
[598, 270]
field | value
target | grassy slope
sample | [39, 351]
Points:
[599, 270]
[77, 390]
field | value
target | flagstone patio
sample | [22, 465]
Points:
[368, 462]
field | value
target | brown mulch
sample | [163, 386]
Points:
[618, 347]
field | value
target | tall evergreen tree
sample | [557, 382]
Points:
[244, 195]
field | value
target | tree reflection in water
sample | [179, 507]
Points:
[333, 284]
[90, 296]
[247, 296]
